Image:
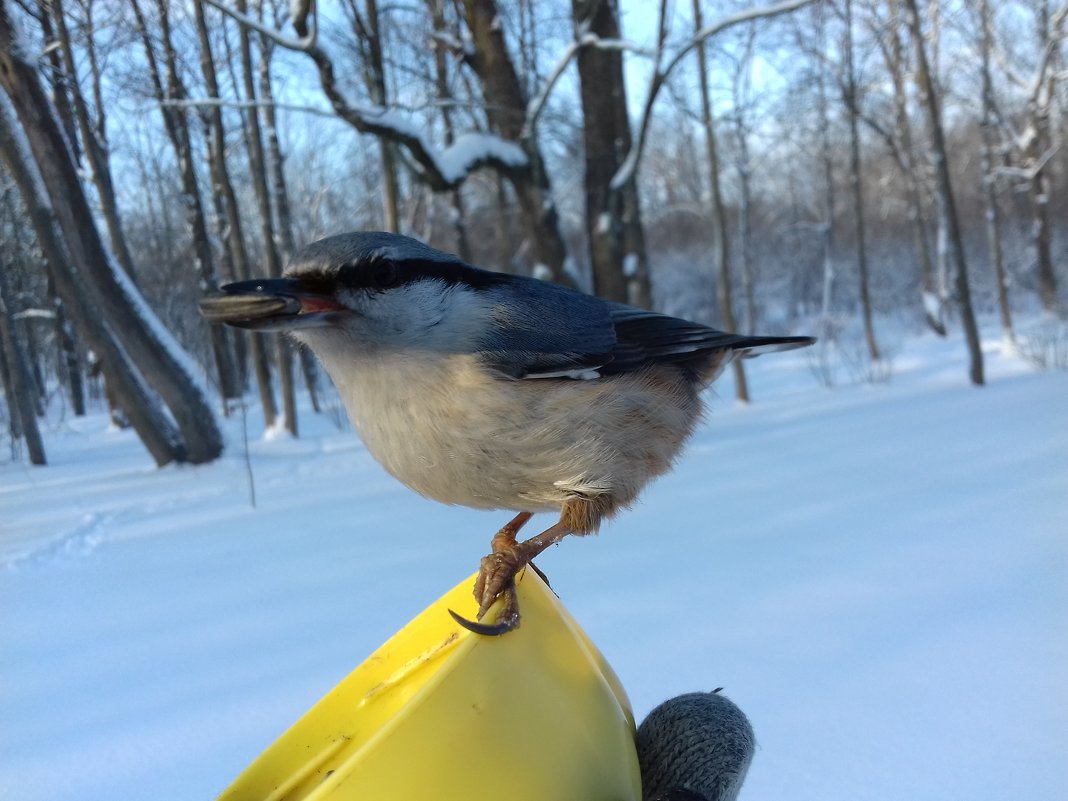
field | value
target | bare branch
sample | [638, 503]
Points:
[216, 102]
[1028, 172]
[660, 75]
[585, 39]
[441, 170]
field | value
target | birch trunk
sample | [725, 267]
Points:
[988, 180]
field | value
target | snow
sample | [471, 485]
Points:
[472, 149]
[933, 305]
[469, 151]
[875, 573]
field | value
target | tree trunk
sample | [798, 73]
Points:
[273, 154]
[855, 185]
[745, 236]
[988, 181]
[71, 356]
[934, 299]
[156, 431]
[1038, 149]
[827, 232]
[280, 203]
[441, 82]
[740, 89]
[19, 383]
[258, 174]
[159, 359]
[375, 78]
[944, 188]
[613, 216]
[719, 212]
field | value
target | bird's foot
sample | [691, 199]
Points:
[497, 573]
[496, 577]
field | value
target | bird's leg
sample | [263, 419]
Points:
[503, 541]
[497, 575]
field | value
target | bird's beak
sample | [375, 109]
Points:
[274, 304]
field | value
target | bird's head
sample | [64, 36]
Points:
[377, 289]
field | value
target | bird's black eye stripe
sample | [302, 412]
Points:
[384, 274]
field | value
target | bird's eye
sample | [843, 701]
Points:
[385, 274]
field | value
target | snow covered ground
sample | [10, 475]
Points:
[875, 573]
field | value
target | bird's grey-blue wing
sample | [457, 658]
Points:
[547, 331]
[543, 330]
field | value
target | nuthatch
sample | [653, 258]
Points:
[493, 391]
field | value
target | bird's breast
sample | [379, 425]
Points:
[454, 432]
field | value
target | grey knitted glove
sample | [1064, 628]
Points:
[695, 747]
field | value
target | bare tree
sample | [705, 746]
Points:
[157, 432]
[228, 213]
[741, 88]
[176, 124]
[93, 132]
[613, 215]
[514, 156]
[721, 257]
[989, 171]
[506, 109]
[444, 95]
[18, 383]
[258, 174]
[160, 360]
[368, 31]
[280, 198]
[1037, 147]
[850, 98]
[899, 141]
[944, 189]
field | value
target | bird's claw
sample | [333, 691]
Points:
[504, 624]
[496, 577]
[507, 620]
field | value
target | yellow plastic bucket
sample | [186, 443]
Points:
[441, 713]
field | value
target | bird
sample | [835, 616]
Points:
[493, 390]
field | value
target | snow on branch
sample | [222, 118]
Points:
[303, 44]
[661, 74]
[440, 170]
